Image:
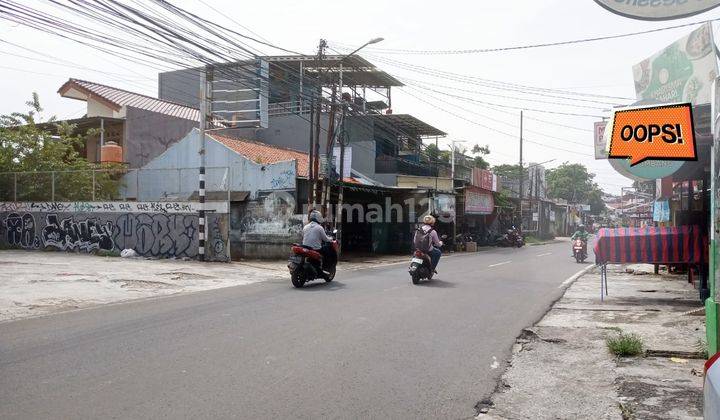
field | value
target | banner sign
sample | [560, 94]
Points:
[478, 202]
[682, 72]
[484, 179]
[657, 9]
[661, 211]
[664, 132]
[600, 144]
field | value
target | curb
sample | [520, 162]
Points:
[570, 280]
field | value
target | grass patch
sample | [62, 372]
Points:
[625, 344]
[532, 240]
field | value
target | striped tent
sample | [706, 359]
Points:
[653, 245]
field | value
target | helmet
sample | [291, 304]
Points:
[581, 227]
[429, 220]
[315, 216]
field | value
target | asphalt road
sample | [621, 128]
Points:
[368, 345]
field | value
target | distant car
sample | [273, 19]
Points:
[712, 388]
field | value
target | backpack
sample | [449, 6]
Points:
[422, 240]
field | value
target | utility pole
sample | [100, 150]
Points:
[342, 141]
[201, 176]
[311, 155]
[315, 168]
[520, 175]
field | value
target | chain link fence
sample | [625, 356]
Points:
[113, 184]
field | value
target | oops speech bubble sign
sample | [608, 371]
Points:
[664, 132]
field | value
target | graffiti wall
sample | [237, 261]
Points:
[265, 228]
[158, 230]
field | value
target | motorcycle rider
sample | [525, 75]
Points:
[435, 242]
[581, 234]
[314, 237]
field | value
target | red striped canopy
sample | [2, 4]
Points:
[653, 245]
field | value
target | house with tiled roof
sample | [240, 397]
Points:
[259, 181]
[142, 125]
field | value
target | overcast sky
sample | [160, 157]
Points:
[603, 67]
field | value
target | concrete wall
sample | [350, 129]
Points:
[174, 173]
[160, 230]
[147, 134]
[264, 228]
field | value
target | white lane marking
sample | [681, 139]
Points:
[542, 255]
[500, 263]
[576, 275]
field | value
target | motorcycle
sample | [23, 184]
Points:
[579, 250]
[512, 238]
[421, 266]
[306, 264]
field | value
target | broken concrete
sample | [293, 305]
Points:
[561, 368]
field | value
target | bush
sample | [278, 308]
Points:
[624, 344]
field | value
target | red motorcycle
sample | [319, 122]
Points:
[306, 264]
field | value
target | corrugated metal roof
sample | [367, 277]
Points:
[121, 97]
[265, 153]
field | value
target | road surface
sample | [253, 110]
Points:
[368, 345]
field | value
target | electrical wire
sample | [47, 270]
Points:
[531, 46]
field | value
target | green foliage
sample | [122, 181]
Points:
[34, 152]
[503, 200]
[508, 171]
[625, 344]
[432, 152]
[478, 160]
[573, 182]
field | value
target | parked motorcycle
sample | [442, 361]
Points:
[512, 238]
[580, 250]
[306, 264]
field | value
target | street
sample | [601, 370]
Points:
[368, 345]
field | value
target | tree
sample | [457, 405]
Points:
[479, 152]
[31, 156]
[508, 171]
[433, 152]
[573, 182]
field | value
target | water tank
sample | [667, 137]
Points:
[111, 152]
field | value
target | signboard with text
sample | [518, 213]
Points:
[658, 9]
[664, 132]
[478, 201]
[682, 72]
[600, 144]
[484, 179]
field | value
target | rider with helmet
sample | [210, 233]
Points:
[581, 233]
[314, 237]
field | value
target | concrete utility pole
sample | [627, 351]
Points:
[342, 141]
[520, 175]
[201, 176]
[315, 167]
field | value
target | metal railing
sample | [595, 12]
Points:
[179, 184]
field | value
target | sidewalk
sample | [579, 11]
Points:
[562, 368]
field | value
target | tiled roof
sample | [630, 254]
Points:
[120, 98]
[265, 153]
